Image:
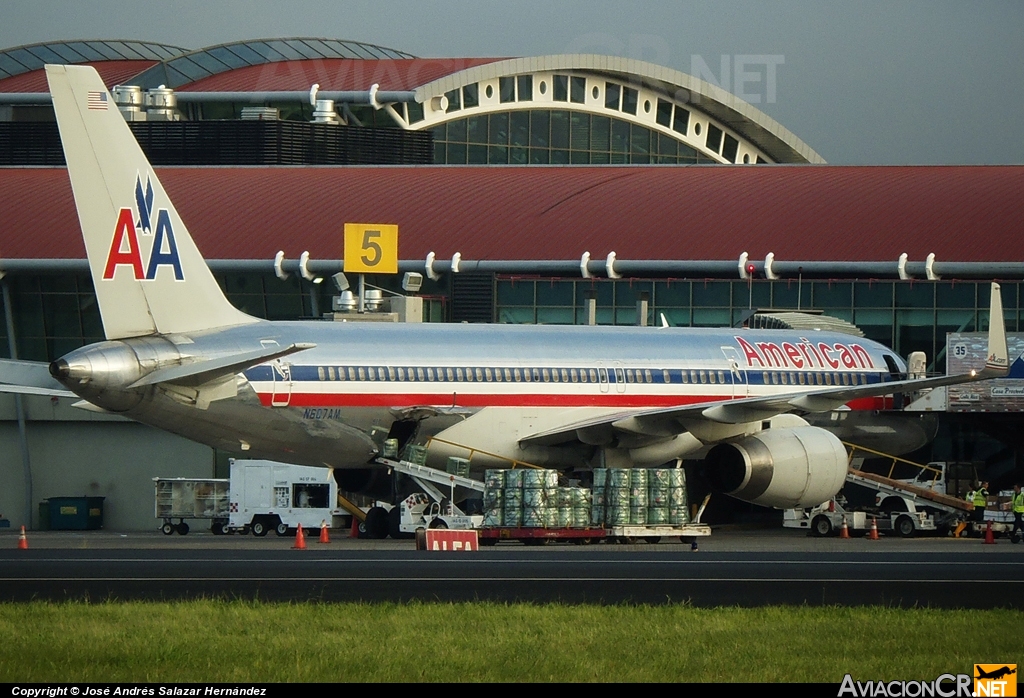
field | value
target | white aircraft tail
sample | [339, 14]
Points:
[149, 276]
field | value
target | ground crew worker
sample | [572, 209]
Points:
[1018, 514]
[980, 500]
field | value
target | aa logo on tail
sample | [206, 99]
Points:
[124, 247]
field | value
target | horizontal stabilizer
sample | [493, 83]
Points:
[29, 378]
[205, 371]
[31, 390]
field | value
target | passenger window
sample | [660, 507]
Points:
[320, 372]
[479, 374]
[362, 373]
[803, 379]
[547, 376]
[685, 376]
[508, 376]
[593, 375]
[711, 376]
[469, 374]
[518, 375]
[450, 373]
[604, 375]
[703, 377]
[381, 374]
[497, 374]
[721, 377]
[330, 372]
[391, 373]
[665, 376]
[648, 378]
[430, 374]
[574, 375]
[419, 374]
[458, 372]
[488, 374]
[536, 375]
[351, 373]
[565, 376]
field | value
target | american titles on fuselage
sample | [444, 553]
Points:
[804, 354]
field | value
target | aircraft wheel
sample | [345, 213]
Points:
[395, 525]
[905, 527]
[259, 528]
[377, 523]
[182, 529]
[168, 529]
[281, 529]
[821, 526]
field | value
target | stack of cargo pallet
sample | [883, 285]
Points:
[521, 498]
[639, 497]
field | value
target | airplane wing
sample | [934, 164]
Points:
[204, 371]
[30, 378]
[666, 422]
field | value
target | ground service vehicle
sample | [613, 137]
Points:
[260, 496]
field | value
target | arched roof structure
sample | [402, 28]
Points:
[657, 86]
[21, 67]
[187, 68]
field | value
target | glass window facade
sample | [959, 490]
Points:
[543, 136]
[904, 315]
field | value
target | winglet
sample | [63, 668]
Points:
[998, 357]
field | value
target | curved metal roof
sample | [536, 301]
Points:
[772, 137]
[714, 212]
[184, 69]
[333, 74]
[30, 57]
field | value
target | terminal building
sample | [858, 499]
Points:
[567, 189]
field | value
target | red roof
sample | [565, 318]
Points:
[112, 72]
[806, 213]
[335, 74]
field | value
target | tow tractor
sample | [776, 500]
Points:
[827, 518]
[902, 506]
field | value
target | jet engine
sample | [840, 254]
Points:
[782, 468]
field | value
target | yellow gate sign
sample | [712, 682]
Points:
[371, 248]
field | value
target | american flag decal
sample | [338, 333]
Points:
[96, 100]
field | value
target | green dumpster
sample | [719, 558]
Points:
[76, 513]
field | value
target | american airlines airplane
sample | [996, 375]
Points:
[180, 357]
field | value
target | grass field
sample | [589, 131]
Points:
[208, 641]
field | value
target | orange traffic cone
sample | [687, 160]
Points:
[324, 538]
[354, 532]
[990, 537]
[873, 535]
[300, 539]
[22, 540]
[844, 530]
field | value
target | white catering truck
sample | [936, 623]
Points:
[260, 496]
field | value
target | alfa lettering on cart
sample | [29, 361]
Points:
[444, 539]
[125, 249]
[804, 354]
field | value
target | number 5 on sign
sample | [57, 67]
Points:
[371, 249]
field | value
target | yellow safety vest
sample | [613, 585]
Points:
[1018, 503]
[981, 497]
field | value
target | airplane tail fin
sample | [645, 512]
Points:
[148, 273]
[998, 358]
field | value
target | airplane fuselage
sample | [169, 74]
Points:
[479, 386]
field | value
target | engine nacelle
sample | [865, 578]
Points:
[782, 468]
